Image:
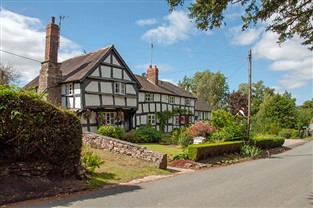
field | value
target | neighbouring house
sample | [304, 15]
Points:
[158, 96]
[202, 110]
[101, 89]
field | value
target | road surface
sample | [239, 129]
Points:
[284, 180]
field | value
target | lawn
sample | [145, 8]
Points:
[120, 168]
[166, 149]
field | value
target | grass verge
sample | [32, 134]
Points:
[166, 149]
[120, 169]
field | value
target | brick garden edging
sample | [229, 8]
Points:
[122, 147]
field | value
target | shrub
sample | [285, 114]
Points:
[286, 133]
[177, 134]
[32, 130]
[295, 134]
[185, 140]
[144, 134]
[250, 151]
[229, 127]
[201, 129]
[202, 151]
[90, 162]
[180, 156]
[267, 141]
[112, 131]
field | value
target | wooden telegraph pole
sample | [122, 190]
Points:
[249, 92]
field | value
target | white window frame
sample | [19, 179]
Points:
[110, 118]
[171, 99]
[151, 119]
[149, 97]
[69, 89]
[187, 102]
[119, 88]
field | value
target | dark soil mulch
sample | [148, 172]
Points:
[20, 188]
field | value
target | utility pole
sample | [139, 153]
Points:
[249, 92]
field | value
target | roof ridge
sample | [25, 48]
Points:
[86, 54]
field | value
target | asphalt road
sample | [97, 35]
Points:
[284, 180]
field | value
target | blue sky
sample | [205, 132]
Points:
[179, 47]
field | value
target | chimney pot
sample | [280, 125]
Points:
[52, 20]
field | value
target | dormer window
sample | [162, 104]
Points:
[119, 88]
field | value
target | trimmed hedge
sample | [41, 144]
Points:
[267, 141]
[197, 152]
[112, 131]
[32, 130]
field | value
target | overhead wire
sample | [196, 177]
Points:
[14, 54]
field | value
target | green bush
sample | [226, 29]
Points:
[177, 134]
[180, 156]
[90, 162]
[250, 151]
[267, 141]
[185, 140]
[112, 131]
[144, 134]
[286, 133]
[295, 134]
[197, 152]
[32, 130]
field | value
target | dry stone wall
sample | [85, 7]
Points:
[122, 147]
[26, 169]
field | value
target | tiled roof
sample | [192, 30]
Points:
[201, 105]
[175, 89]
[148, 86]
[76, 68]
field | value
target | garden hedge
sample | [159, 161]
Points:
[32, 130]
[197, 152]
[267, 141]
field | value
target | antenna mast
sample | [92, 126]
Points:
[151, 52]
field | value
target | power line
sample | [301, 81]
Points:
[14, 54]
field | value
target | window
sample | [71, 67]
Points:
[187, 101]
[149, 97]
[109, 118]
[177, 120]
[171, 99]
[119, 88]
[69, 89]
[190, 119]
[151, 119]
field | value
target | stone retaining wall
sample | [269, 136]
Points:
[26, 169]
[122, 147]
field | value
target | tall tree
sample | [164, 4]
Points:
[238, 103]
[287, 18]
[278, 109]
[187, 84]
[259, 90]
[210, 87]
[305, 114]
[8, 74]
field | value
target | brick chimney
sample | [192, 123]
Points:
[50, 73]
[153, 74]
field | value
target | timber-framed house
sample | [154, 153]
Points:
[102, 90]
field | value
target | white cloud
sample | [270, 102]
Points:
[177, 27]
[144, 22]
[291, 58]
[246, 37]
[25, 36]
